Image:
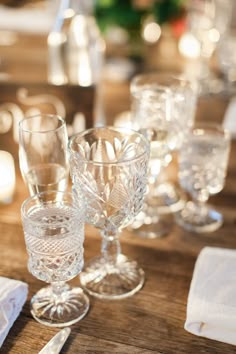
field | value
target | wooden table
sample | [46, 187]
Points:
[151, 321]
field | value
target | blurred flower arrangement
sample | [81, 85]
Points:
[130, 16]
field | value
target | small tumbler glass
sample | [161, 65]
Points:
[53, 224]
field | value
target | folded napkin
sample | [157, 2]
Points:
[211, 308]
[229, 121]
[13, 294]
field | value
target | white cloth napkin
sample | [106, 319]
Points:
[229, 121]
[211, 308]
[13, 294]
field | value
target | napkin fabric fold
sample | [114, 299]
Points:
[13, 294]
[211, 308]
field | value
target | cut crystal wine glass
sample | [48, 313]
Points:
[203, 162]
[43, 153]
[109, 167]
[53, 224]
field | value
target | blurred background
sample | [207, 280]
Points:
[85, 44]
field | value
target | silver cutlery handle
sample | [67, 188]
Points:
[55, 345]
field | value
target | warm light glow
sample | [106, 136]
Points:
[80, 71]
[214, 35]
[7, 177]
[151, 32]
[56, 74]
[189, 46]
[69, 13]
[56, 38]
[79, 30]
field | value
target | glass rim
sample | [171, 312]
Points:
[147, 94]
[172, 76]
[164, 80]
[110, 163]
[37, 196]
[27, 130]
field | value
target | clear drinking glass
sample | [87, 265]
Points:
[184, 94]
[203, 161]
[43, 153]
[53, 224]
[109, 168]
[163, 108]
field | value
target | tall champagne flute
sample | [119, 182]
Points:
[53, 224]
[203, 162]
[109, 168]
[43, 153]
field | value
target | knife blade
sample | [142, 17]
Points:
[55, 345]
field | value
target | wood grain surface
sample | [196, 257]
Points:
[151, 321]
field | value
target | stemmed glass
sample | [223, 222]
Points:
[43, 153]
[53, 224]
[163, 108]
[203, 161]
[109, 168]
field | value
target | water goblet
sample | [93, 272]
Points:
[164, 105]
[53, 224]
[203, 161]
[43, 153]
[109, 168]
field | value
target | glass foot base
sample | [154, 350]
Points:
[112, 282]
[191, 219]
[61, 310]
[148, 224]
[167, 199]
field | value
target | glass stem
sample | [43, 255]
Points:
[200, 207]
[58, 287]
[111, 248]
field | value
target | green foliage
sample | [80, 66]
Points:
[117, 12]
[167, 10]
[123, 13]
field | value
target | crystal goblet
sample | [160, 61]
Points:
[203, 161]
[109, 167]
[164, 105]
[53, 224]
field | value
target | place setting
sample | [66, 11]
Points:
[118, 232]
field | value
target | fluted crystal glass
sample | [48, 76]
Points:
[203, 162]
[53, 224]
[109, 168]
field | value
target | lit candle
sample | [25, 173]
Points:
[7, 177]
